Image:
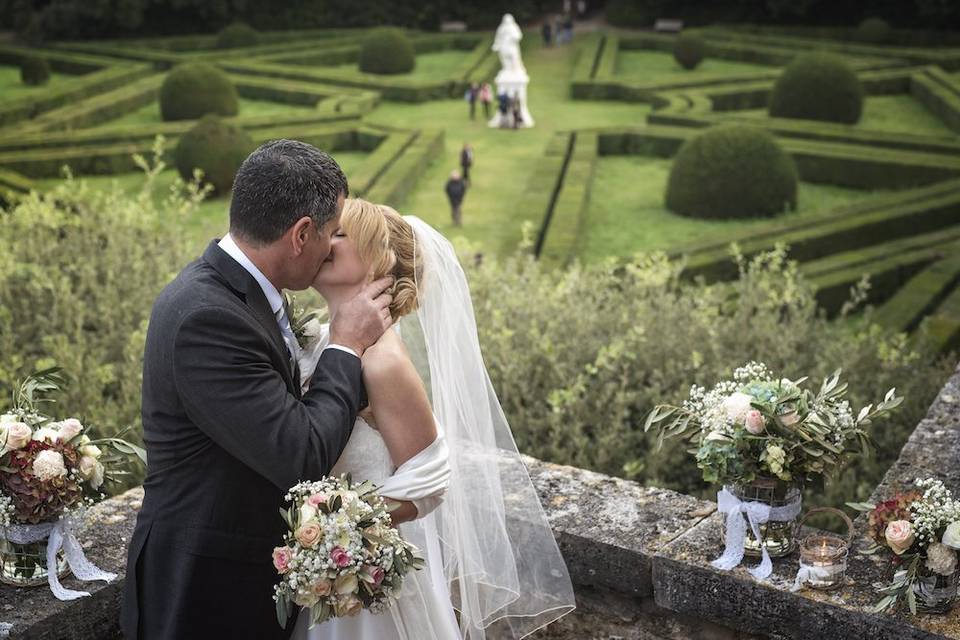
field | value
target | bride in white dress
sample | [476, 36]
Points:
[493, 568]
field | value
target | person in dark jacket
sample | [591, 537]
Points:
[472, 95]
[466, 161]
[456, 189]
[226, 426]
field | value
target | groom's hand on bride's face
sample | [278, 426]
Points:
[361, 321]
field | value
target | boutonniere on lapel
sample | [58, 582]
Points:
[306, 324]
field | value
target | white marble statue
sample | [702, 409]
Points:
[512, 79]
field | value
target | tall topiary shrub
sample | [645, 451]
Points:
[214, 147]
[818, 86]
[34, 71]
[387, 51]
[195, 89]
[238, 34]
[688, 50]
[732, 171]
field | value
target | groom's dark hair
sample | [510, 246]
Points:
[279, 183]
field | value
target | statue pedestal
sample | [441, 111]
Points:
[514, 84]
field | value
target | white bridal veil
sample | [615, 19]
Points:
[500, 559]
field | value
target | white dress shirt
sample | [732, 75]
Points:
[274, 299]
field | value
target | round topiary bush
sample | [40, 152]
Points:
[818, 86]
[34, 71]
[214, 147]
[238, 34]
[387, 51]
[873, 30]
[732, 171]
[194, 89]
[688, 50]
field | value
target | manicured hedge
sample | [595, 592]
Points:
[539, 196]
[237, 35]
[688, 50]
[195, 89]
[68, 92]
[34, 71]
[818, 86]
[59, 61]
[920, 295]
[943, 326]
[214, 147]
[563, 225]
[390, 148]
[940, 93]
[99, 108]
[402, 175]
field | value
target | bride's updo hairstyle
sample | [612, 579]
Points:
[386, 242]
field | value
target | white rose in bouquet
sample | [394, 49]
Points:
[91, 450]
[47, 434]
[18, 435]
[49, 465]
[70, 429]
[941, 559]
[737, 405]
[951, 537]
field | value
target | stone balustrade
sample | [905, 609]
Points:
[639, 558]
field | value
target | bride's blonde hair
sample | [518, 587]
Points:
[386, 242]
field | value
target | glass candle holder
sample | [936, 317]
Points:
[823, 556]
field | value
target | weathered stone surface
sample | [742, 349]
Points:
[608, 528]
[35, 613]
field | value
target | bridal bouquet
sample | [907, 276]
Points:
[341, 554]
[757, 425]
[922, 532]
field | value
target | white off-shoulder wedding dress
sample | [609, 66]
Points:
[424, 610]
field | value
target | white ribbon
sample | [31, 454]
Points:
[736, 536]
[59, 534]
[808, 573]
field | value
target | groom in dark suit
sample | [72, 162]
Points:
[226, 427]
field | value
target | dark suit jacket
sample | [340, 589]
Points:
[227, 433]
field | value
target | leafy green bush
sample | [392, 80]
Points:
[79, 270]
[873, 31]
[216, 148]
[387, 51]
[34, 71]
[238, 34]
[194, 89]
[731, 171]
[688, 50]
[818, 86]
[578, 371]
[629, 13]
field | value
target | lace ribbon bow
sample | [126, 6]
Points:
[60, 535]
[736, 535]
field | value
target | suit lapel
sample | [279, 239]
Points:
[241, 281]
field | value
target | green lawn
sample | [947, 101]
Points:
[211, 218]
[896, 113]
[151, 113]
[657, 65]
[626, 213]
[503, 159]
[12, 88]
[431, 67]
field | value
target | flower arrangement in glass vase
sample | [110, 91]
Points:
[341, 554]
[49, 471]
[762, 436]
[921, 530]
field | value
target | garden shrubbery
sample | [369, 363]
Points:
[237, 34]
[818, 86]
[873, 31]
[688, 50]
[194, 89]
[387, 52]
[578, 371]
[216, 148]
[34, 71]
[79, 270]
[732, 171]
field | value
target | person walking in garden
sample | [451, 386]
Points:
[546, 30]
[473, 93]
[486, 98]
[466, 161]
[456, 188]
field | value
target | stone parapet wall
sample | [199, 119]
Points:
[639, 558]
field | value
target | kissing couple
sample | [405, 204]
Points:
[240, 404]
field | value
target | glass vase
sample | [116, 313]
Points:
[25, 565]
[935, 593]
[778, 537]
